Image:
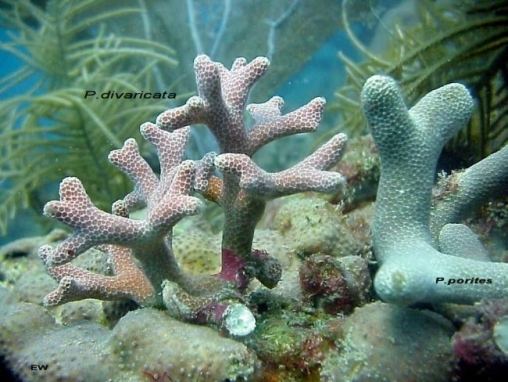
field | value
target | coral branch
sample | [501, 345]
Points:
[485, 179]
[129, 160]
[270, 124]
[214, 189]
[204, 171]
[409, 143]
[170, 148]
[304, 176]
[75, 283]
[91, 225]
[459, 240]
[244, 188]
[193, 112]
[168, 201]
[221, 101]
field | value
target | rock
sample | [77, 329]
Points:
[312, 225]
[335, 284]
[148, 341]
[385, 342]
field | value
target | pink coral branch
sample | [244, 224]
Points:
[220, 103]
[168, 201]
[129, 160]
[75, 283]
[242, 192]
[91, 225]
[304, 176]
[236, 83]
[170, 147]
[270, 124]
[244, 187]
[193, 112]
[204, 172]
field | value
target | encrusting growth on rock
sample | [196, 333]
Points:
[412, 260]
[144, 268]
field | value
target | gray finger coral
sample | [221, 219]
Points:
[416, 266]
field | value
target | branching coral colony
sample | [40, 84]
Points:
[417, 245]
[420, 248]
[143, 265]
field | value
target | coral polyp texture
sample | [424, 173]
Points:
[167, 200]
[415, 265]
[244, 187]
[143, 265]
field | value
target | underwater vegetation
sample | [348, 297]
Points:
[49, 130]
[359, 262]
[450, 41]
